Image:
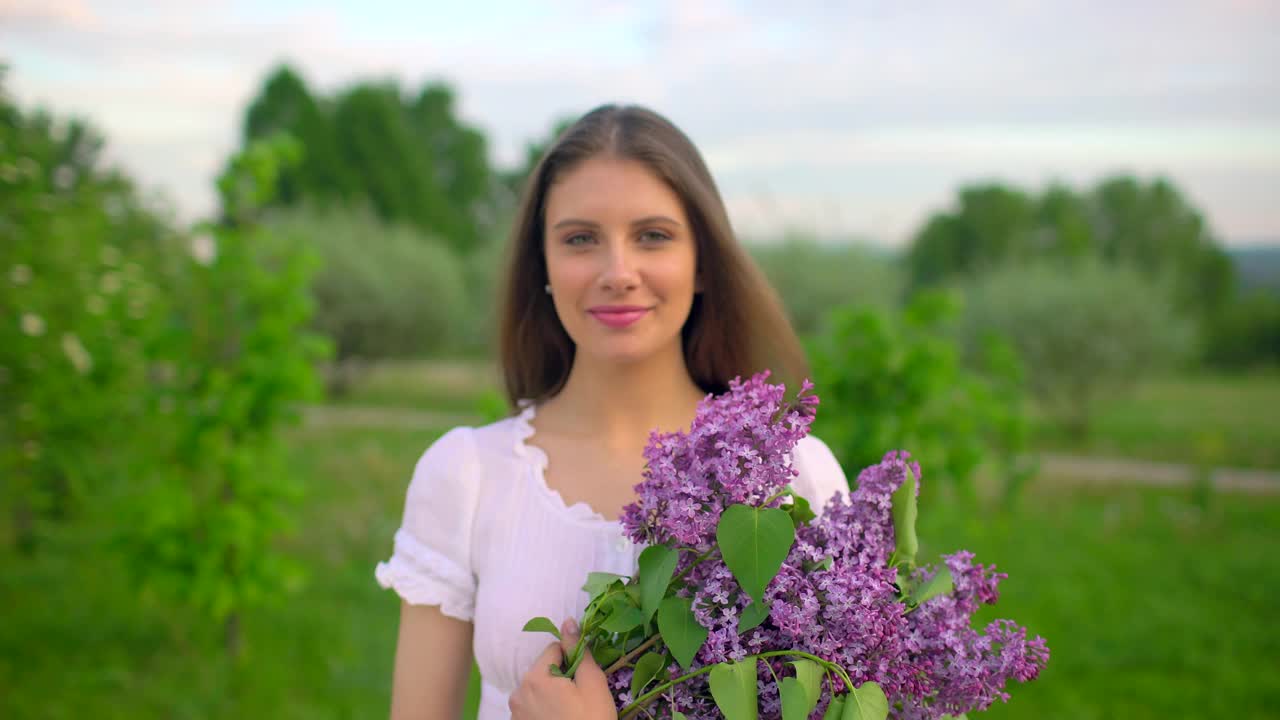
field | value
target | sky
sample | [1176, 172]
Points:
[845, 120]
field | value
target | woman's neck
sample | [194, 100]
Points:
[618, 404]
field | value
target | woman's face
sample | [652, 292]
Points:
[621, 259]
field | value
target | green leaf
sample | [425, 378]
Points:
[733, 686]
[961, 716]
[795, 699]
[866, 702]
[904, 520]
[835, 709]
[541, 624]
[800, 511]
[809, 675]
[824, 564]
[624, 617]
[754, 542]
[598, 582]
[940, 584]
[657, 565]
[606, 655]
[647, 668]
[680, 629]
[677, 715]
[754, 614]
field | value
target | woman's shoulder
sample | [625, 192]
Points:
[480, 446]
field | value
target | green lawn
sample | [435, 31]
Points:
[1152, 608]
[1236, 419]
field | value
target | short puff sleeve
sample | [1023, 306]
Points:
[820, 475]
[431, 562]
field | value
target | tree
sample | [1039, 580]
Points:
[813, 279]
[285, 105]
[1084, 330]
[411, 161]
[895, 380]
[1147, 226]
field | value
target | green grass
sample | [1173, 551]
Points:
[1226, 420]
[1152, 608]
[77, 642]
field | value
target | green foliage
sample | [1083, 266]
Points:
[202, 529]
[681, 631]
[150, 372]
[1121, 220]
[814, 279]
[382, 291]
[1085, 329]
[78, 252]
[408, 158]
[866, 702]
[733, 685]
[656, 565]
[897, 380]
[1246, 333]
[754, 542]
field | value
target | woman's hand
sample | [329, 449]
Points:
[542, 696]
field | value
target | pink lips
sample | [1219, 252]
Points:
[618, 315]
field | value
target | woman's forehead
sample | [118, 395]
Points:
[614, 189]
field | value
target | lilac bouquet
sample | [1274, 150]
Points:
[748, 605]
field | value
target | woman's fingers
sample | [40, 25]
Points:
[569, 634]
[552, 655]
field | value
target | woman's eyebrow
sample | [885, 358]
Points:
[642, 221]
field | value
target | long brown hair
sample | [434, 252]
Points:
[736, 326]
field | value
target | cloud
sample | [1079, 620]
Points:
[790, 101]
[46, 14]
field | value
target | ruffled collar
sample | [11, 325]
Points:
[522, 425]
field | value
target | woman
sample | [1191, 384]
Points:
[627, 300]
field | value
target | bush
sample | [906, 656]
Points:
[814, 279]
[1246, 334]
[383, 291]
[1083, 329]
[895, 380]
[78, 252]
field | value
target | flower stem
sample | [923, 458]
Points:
[622, 661]
[648, 697]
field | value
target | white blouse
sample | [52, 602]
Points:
[488, 541]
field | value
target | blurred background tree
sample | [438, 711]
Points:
[1148, 226]
[408, 158]
[1084, 329]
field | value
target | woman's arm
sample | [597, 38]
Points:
[433, 664]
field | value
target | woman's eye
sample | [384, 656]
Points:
[578, 239]
[654, 236]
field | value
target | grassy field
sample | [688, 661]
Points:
[1228, 420]
[1152, 607]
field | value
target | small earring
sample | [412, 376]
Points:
[548, 288]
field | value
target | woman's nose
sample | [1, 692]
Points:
[619, 272]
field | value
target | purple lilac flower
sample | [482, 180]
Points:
[835, 596]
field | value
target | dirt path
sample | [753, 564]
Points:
[1100, 470]
[1063, 468]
